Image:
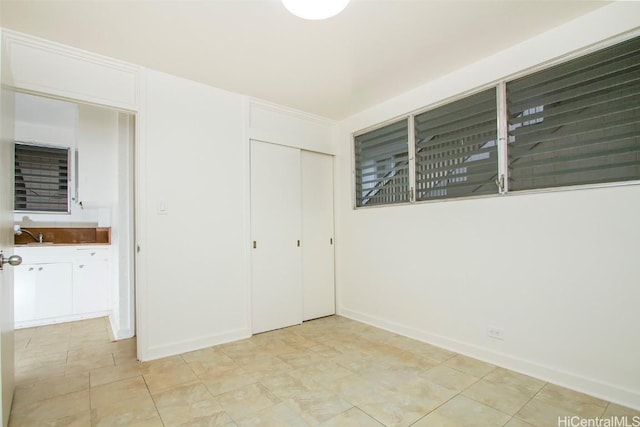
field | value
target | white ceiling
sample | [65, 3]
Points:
[374, 50]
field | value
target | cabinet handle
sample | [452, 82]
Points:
[255, 244]
[40, 268]
[331, 241]
[30, 268]
[298, 243]
[81, 266]
[93, 253]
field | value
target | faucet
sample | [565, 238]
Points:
[17, 230]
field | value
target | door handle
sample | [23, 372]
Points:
[13, 260]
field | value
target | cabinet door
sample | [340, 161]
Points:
[276, 264]
[53, 290]
[90, 287]
[317, 235]
[24, 293]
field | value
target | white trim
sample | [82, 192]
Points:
[606, 391]
[61, 319]
[185, 346]
[140, 225]
[11, 39]
[290, 111]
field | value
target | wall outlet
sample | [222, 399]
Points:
[497, 333]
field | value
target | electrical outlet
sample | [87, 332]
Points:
[497, 333]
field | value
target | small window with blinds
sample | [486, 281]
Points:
[578, 122]
[382, 165]
[456, 149]
[41, 178]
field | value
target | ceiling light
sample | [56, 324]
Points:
[315, 9]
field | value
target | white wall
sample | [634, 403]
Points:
[558, 271]
[194, 287]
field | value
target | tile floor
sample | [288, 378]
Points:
[328, 372]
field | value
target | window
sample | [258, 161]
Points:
[41, 178]
[456, 149]
[577, 122]
[382, 165]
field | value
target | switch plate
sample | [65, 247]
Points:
[163, 207]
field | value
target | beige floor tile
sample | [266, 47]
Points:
[449, 378]
[88, 363]
[431, 352]
[42, 390]
[51, 410]
[246, 401]
[277, 415]
[331, 371]
[110, 374]
[322, 372]
[227, 381]
[318, 405]
[462, 411]
[118, 391]
[469, 366]
[356, 390]
[353, 417]
[130, 412]
[524, 383]
[621, 411]
[287, 386]
[544, 412]
[169, 377]
[398, 409]
[190, 404]
[425, 391]
[515, 422]
[502, 397]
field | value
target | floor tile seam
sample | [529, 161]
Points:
[155, 405]
[489, 406]
[529, 401]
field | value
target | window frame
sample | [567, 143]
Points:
[502, 132]
[70, 178]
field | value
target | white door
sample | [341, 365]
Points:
[6, 246]
[317, 235]
[276, 265]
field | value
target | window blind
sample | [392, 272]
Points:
[382, 165]
[456, 150]
[41, 178]
[577, 122]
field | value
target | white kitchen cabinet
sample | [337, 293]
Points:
[24, 292]
[53, 290]
[91, 281]
[61, 284]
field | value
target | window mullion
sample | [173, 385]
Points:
[503, 139]
[412, 159]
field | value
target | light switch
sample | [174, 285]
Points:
[163, 207]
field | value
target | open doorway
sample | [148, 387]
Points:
[91, 273]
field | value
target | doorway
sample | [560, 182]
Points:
[101, 146]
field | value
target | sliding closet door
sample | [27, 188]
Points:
[317, 235]
[276, 263]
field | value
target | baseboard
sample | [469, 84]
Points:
[596, 388]
[61, 319]
[171, 349]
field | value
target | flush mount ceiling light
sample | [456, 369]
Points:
[315, 9]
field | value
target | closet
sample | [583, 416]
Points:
[292, 260]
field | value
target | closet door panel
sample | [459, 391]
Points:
[317, 235]
[276, 263]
